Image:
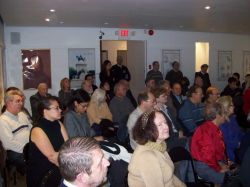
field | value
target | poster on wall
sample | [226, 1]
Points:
[224, 65]
[36, 68]
[81, 63]
[168, 57]
[246, 62]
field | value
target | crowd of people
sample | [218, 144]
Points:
[71, 136]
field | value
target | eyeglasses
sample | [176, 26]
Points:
[55, 108]
[84, 105]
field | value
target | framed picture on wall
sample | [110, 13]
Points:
[224, 65]
[81, 62]
[168, 57]
[36, 67]
[246, 62]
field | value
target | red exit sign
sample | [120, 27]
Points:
[123, 33]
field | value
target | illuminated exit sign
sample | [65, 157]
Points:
[124, 34]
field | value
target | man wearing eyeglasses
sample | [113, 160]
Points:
[14, 129]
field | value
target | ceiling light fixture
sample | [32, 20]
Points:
[61, 22]
[47, 19]
[106, 23]
[207, 7]
[52, 10]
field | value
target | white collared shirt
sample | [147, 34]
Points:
[68, 184]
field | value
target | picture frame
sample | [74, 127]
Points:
[246, 62]
[36, 67]
[224, 65]
[81, 62]
[168, 57]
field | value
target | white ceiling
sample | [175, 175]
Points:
[226, 16]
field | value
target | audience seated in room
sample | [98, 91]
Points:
[65, 93]
[129, 93]
[109, 93]
[149, 84]
[14, 128]
[91, 78]
[46, 138]
[208, 148]
[146, 101]
[42, 92]
[176, 96]
[82, 163]
[176, 137]
[150, 164]
[120, 107]
[87, 87]
[232, 133]
[212, 94]
[191, 112]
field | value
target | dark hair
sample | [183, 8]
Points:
[158, 91]
[104, 64]
[204, 66]
[213, 109]
[145, 129]
[236, 74]
[192, 90]
[231, 80]
[75, 156]
[155, 62]
[103, 83]
[174, 62]
[88, 75]
[143, 96]
[80, 96]
[45, 103]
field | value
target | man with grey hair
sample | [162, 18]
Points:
[82, 163]
[42, 91]
[14, 128]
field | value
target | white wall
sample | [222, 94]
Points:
[58, 40]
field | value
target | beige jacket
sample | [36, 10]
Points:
[97, 113]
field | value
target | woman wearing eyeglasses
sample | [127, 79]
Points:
[76, 120]
[46, 138]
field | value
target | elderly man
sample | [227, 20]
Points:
[82, 163]
[146, 101]
[34, 99]
[14, 128]
[120, 107]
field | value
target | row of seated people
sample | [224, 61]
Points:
[155, 98]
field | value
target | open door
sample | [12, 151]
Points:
[136, 60]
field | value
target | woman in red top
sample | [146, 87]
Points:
[208, 148]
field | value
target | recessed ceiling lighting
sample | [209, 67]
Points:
[61, 22]
[47, 19]
[106, 23]
[207, 7]
[52, 10]
[181, 26]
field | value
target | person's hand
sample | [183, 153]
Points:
[99, 138]
[181, 134]
[224, 167]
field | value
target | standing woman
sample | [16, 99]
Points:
[105, 74]
[45, 140]
[65, 93]
[151, 165]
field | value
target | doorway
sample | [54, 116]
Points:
[134, 53]
[201, 54]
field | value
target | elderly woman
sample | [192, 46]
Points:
[150, 164]
[230, 129]
[208, 148]
[98, 112]
[45, 140]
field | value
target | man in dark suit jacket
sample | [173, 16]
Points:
[205, 77]
[82, 163]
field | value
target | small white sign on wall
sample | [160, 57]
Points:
[81, 63]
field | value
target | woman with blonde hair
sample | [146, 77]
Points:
[230, 128]
[99, 115]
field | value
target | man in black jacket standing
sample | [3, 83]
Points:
[205, 77]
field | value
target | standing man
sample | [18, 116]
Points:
[155, 73]
[42, 92]
[174, 75]
[120, 71]
[14, 129]
[205, 77]
[82, 163]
